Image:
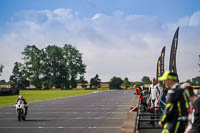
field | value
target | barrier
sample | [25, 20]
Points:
[8, 91]
[145, 117]
[136, 117]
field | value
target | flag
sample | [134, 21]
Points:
[162, 66]
[172, 62]
[158, 72]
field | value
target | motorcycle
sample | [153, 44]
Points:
[21, 110]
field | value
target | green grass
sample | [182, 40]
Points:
[41, 95]
[103, 88]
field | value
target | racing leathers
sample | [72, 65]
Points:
[154, 95]
[174, 119]
[25, 103]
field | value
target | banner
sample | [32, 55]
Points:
[162, 65]
[172, 61]
[158, 72]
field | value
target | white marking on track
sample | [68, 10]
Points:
[84, 108]
[60, 127]
[78, 118]
[32, 113]
[63, 105]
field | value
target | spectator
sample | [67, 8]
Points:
[195, 101]
[154, 94]
[174, 119]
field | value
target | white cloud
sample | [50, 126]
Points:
[192, 21]
[97, 16]
[112, 45]
[195, 19]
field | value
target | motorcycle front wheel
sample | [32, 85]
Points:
[24, 117]
[19, 115]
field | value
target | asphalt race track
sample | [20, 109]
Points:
[101, 112]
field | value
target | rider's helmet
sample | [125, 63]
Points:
[20, 97]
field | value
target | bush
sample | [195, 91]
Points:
[115, 83]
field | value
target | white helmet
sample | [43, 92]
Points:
[20, 97]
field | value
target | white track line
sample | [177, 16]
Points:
[81, 105]
[62, 127]
[78, 118]
[31, 113]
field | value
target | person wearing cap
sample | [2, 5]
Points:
[174, 119]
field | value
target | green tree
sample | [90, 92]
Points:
[73, 63]
[126, 83]
[33, 58]
[2, 81]
[138, 83]
[188, 81]
[146, 80]
[54, 67]
[199, 62]
[115, 83]
[1, 69]
[83, 81]
[18, 78]
[196, 80]
[96, 81]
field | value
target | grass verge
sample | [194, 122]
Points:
[41, 95]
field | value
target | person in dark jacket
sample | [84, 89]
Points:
[174, 119]
[196, 107]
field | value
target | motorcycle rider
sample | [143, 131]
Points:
[25, 103]
[174, 119]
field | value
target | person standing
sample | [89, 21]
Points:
[139, 91]
[174, 119]
[154, 94]
[195, 101]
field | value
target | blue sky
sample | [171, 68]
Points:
[126, 36]
[168, 10]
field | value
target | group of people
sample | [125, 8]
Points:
[182, 108]
[179, 100]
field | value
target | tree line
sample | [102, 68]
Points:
[62, 67]
[1, 69]
[50, 67]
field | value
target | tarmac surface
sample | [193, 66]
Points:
[101, 112]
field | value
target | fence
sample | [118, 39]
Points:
[152, 118]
